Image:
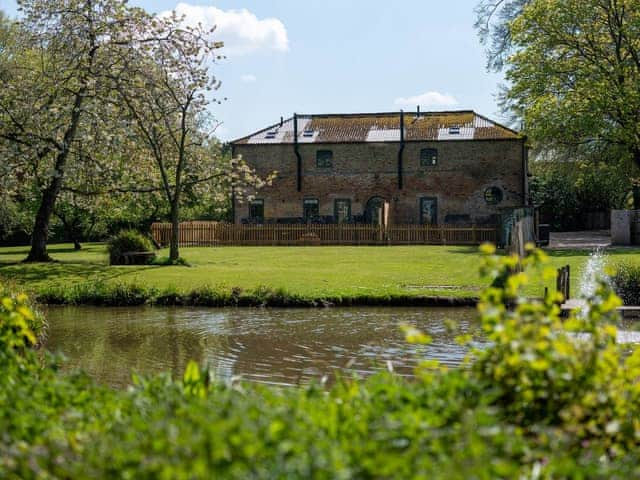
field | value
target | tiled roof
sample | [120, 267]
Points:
[382, 127]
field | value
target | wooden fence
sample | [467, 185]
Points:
[204, 234]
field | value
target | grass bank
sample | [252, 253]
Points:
[132, 294]
[271, 276]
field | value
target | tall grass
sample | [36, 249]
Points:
[101, 293]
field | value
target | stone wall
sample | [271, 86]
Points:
[465, 169]
[625, 227]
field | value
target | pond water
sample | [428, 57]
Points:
[278, 346]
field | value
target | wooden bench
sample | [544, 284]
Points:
[136, 258]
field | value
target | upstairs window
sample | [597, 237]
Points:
[324, 159]
[428, 157]
[310, 208]
[256, 210]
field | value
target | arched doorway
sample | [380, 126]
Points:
[374, 210]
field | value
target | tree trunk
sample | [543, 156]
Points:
[38, 252]
[174, 253]
[636, 188]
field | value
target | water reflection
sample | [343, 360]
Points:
[264, 345]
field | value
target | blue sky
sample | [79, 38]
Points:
[335, 56]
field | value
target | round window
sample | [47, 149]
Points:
[493, 195]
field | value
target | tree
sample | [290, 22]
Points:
[166, 102]
[8, 180]
[62, 52]
[493, 23]
[575, 74]
[166, 94]
[566, 190]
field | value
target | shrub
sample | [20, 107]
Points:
[542, 373]
[128, 241]
[36, 321]
[626, 282]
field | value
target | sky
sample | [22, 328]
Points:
[338, 56]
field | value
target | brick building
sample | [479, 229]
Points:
[431, 167]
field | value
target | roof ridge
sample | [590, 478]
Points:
[393, 113]
[413, 117]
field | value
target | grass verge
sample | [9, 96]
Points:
[273, 276]
[122, 294]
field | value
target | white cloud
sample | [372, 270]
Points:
[240, 30]
[428, 99]
[248, 78]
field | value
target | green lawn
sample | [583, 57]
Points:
[309, 271]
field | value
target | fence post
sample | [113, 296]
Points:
[563, 282]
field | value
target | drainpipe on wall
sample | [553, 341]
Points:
[297, 152]
[401, 150]
[525, 172]
[233, 187]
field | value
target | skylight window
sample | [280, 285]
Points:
[307, 133]
[271, 134]
[454, 130]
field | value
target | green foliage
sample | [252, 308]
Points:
[119, 294]
[127, 241]
[546, 398]
[574, 74]
[493, 23]
[98, 293]
[567, 190]
[15, 328]
[543, 373]
[626, 282]
[26, 308]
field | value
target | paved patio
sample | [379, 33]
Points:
[580, 240]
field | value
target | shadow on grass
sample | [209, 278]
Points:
[65, 272]
[55, 248]
[464, 249]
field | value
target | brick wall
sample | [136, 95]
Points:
[465, 169]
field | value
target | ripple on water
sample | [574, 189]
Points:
[272, 346]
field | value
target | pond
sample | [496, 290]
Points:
[277, 346]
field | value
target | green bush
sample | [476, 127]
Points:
[626, 282]
[128, 241]
[536, 402]
[36, 321]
